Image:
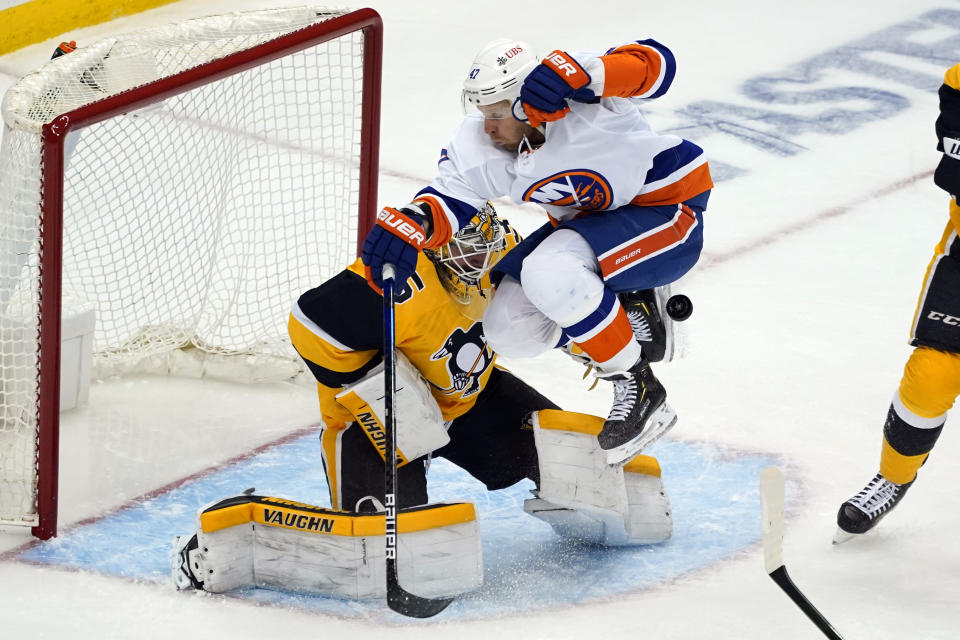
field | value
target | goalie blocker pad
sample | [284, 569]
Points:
[260, 541]
[420, 425]
[584, 498]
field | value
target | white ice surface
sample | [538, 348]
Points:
[803, 300]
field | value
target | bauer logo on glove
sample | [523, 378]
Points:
[397, 239]
[563, 63]
[402, 226]
[545, 91]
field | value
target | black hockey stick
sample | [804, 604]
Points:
[398, 598]
[771, 495]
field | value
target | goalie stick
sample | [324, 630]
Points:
[771, 496]
[398, 599]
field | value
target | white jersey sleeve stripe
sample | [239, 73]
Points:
[444, 206]
[678, 174]
[663, 74]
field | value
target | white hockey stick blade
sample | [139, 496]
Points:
[771, 497]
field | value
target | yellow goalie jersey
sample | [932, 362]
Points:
[338, 330]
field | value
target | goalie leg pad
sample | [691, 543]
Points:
[573, 468]
[649, 518]
[269, 542]
[584, 498]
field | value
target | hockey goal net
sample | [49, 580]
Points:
[185, 183]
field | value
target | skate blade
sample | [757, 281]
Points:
[660, 422]
[842, 536]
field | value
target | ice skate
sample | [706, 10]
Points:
[640, 413]
[180, 569]
[652, 313]
[648, 324]
[863, 511]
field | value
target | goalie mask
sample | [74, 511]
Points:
[463, 264]
[496, 74]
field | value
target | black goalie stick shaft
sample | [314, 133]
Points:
[771, 494]
[398, 599]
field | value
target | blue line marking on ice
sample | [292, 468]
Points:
[713, 491]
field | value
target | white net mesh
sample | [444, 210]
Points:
[191, 224]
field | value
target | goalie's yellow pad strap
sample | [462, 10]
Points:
[570, 421]
[287, 514]
[645, 465]
[370, 424]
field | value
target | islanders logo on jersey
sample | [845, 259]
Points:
[578, 188]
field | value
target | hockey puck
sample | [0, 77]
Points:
[679, 307]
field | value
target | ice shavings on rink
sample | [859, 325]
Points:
[713, 491]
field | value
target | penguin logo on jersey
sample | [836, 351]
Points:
[468, 357]
[579, 188]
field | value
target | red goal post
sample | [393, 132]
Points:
[186, 182]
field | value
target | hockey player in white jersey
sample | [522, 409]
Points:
[625, 208]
